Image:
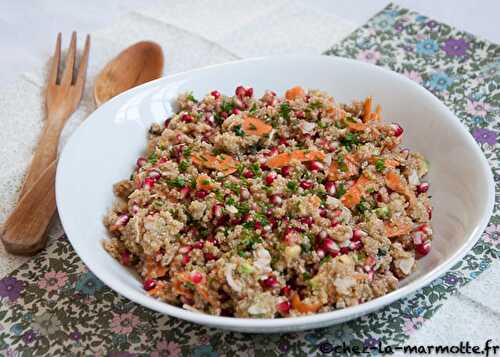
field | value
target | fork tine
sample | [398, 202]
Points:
[82, 70]
[67, 76]
[54, 68]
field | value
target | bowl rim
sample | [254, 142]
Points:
[288, 323]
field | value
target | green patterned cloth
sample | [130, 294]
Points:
[53, 305]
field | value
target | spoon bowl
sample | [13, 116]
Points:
[137, 64]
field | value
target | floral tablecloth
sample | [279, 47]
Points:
[53, 305]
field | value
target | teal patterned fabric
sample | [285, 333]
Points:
[53, 305]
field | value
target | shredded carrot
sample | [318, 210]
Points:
[303, 307]
[203, 182]
[357, 126]
[334, 172]
[284, 159]
[294, 93]
[367, 109]
[221, 162]
[387, 162]
[378, 111]
[396, 183]
[154, 269]
[254, 126]
[394, 230]
[353, 195]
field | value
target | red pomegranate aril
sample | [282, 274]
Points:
[236, 111]
[224, 115]
[249, 91]
[429, 212]
[217, 210]
[305, 184]
[240, 91]
[423, 187]
[307, 220]
[149, 182]
[426, 229]
[270, 177]
[186, 118]
[334, 223]
[330, 188]
[321, 253]
[141, 162]
[185, 192]
[186, 259]
[286, 171]
[149, 284]
[199, 244]
[285, 290]
[209, 256]
[356, 245]
[357, 234]
[276, 200]
[185, 249]
[283, 141]
[398, 130]
[264, 167]
[423, 249]
[122, 220]
[284, 307]
[201, 194]
[257, 225]
[248, 174]
[315, 166]
[125, 257]
[270, 282]
[155, 175]
[210, 121]
[322, 212]
[300, 114]
[215, 94]
[329, 245]
[379, 197]
[196, 277]
[344, 250]
[166, 123]
[334, 253]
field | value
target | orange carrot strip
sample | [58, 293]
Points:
[284, 159]
[334, 172]
[367, 108]
[303, 307]
[294, 93]
[394, 230]
[221, 162]
[357, 126]
[387, 162]
[396, 183]
[378, 111]
[203, 182]
[154, 269]
[353, 195]
[254, 126]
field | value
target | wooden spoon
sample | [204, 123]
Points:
[23, 232]
[138, 64]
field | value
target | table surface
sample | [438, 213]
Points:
[27, 33]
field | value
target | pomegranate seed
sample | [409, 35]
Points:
[215, 94]
[185, 259]
[149, 182]
[418, 238]
[276, 200]
[236, 111]
[329, 245]
[305, 184]
[264, 167]
[196, 277]
[379, 197]
[141, 162]
[185, 192]
[398, 130]
[300, 114]
[344, 250]
[240, 91]
[426, 229]
[122, 220]
[125, 256]
[307, 220]
[321, 253]
[186, 118]
[210, 121]
[269, 282]
[423, 187]
[334, 223]
[270, 177]
[330, 188]
[357, 234]
[284, 307]
[248, 174]
[322, 212]
[429, 212]
[258, 225]
[356, 245]
[285, 171]
[162, 160]
[244, 194]
[283, 141]
[209, 256]
[217, 210]
[285, 290]
[201, 194]
[155, 175]
[149, 284]
[315, 166]
[199, 244]
[224, 115]
[249, 91]
[334, 253]
[167, 122]
[185, 249]
[423, 249]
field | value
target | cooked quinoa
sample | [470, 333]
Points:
[273, 206]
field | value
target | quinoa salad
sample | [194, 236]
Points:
[272, 207]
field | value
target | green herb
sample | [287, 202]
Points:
[380, 165]
[157, 203]
[255, 168]
[238, 131]
[361, 207]
[326, 259]
[285, 111]
[342, 165]
[315, 105]
[240, 168]
[382, 212]
[253, 110]
[191, 98]
[187, 151]
[153, 158]
[232, 186]
[219, 196]
[177, 182]
[292, 186]
[230, 201]
[189, 285]
[193, 183]
[322, 125]
[252, 127]
[243, 209]
[306, 247]
[248, 240]
[218, 118]
[249, 225]
[183, 166]
[227, 107]
[381, 252]
[341, 190]
[306, 275]
[349, 140]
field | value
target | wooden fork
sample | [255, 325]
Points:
[23, 231]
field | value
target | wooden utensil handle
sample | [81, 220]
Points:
[46, 150]
[24, 231]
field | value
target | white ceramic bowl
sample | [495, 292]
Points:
[104, 149]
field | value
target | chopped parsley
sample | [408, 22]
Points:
[187, 151]
[227, 107]
[380, 165]
[191, 98]
[183, 166]
[315, 105]
[361, 207]
[306, 275]
[342, 165]
[341, 190]
[285, 111]
[253, 110]
[238, 130]
[153, 158]
[232, 186]
[349, 140]
[292, 186]
[177, 182]
[255, 168]
[230, 201]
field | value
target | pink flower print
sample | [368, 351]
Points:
[124, 323]
[412, 324]
[369, 56]
[477, 108]
[53, 280]
[166, 348]
[414, 76]
[492, 234]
